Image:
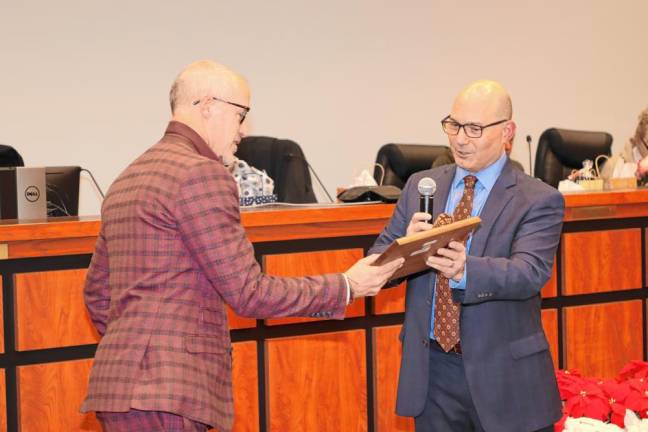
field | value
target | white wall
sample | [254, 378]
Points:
[86, 82]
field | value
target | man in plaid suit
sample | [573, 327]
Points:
[171, 253]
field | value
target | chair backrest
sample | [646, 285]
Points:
[562, 150]
[402, 160]
[285, 163]
[9, 157]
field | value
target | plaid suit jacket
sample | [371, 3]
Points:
[170, 254]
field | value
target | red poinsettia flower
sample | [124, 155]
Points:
[617, 393]
[634, 369]
[560, 426]
[569, 382]
[587, 400]
[637, 399]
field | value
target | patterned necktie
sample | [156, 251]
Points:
[446, 311]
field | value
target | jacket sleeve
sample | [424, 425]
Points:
[97, 288]
[210, 225]
[523, 274]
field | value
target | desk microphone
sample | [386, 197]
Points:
[94, 181]
[298, 156]
[426, 188]
[528, 140]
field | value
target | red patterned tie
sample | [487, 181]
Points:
[446, 311]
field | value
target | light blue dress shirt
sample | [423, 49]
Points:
[486, 179]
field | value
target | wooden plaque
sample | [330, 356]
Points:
[417, 247]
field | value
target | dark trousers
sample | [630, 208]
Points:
[449, 406]
[147, 421]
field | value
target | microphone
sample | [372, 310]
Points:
[298, 156]
[528, 140]
[426, 188]
[94, 181]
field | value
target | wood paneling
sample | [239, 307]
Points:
[606, 205]
[551, 287]
[550, 325]
[387, 359]
[52, 247]
[601, 261]
[50, 395]
[317, 383]
[282, 217]
[327, 221]
[390, 300]
[601, 339]
[50, 311]
[1, 318]
[238, 322]
[59, 228]
[314, 263]
[3, 401]
[245, 382]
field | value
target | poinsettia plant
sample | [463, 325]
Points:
[593, 404]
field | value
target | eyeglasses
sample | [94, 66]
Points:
[242, 114]
[471, 130]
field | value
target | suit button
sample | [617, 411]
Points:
[425, 343]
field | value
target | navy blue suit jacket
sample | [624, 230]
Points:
[505, 352]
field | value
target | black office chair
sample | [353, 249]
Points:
[399, 161]
[562, 150]
[285, 163]
[9, 157]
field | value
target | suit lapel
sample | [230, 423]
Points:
[444, 181]
[502, 192]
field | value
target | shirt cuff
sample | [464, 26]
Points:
[459, 285]
[348, 289]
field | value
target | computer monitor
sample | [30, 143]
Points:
[62, 183]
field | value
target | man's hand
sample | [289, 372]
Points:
[420, 222]
[450, 261]
[366, 280]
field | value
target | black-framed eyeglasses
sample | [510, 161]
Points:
[472, 130]
[242, 114]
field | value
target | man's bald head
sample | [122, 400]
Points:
[482, 110]
[202, 78]
[491, 95]
[213, 100]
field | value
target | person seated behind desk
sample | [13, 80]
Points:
[447, 158]
[636, 149]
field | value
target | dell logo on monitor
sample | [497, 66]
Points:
[32, 193]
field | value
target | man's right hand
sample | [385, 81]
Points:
[366, 280]
[420, 222]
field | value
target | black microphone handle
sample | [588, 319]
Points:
[425, 205]
[528, 140]
[314, 173]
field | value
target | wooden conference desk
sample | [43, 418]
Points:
[305, 374]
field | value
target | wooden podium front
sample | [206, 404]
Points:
[306, 374]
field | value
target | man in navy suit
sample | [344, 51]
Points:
[475, 357]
